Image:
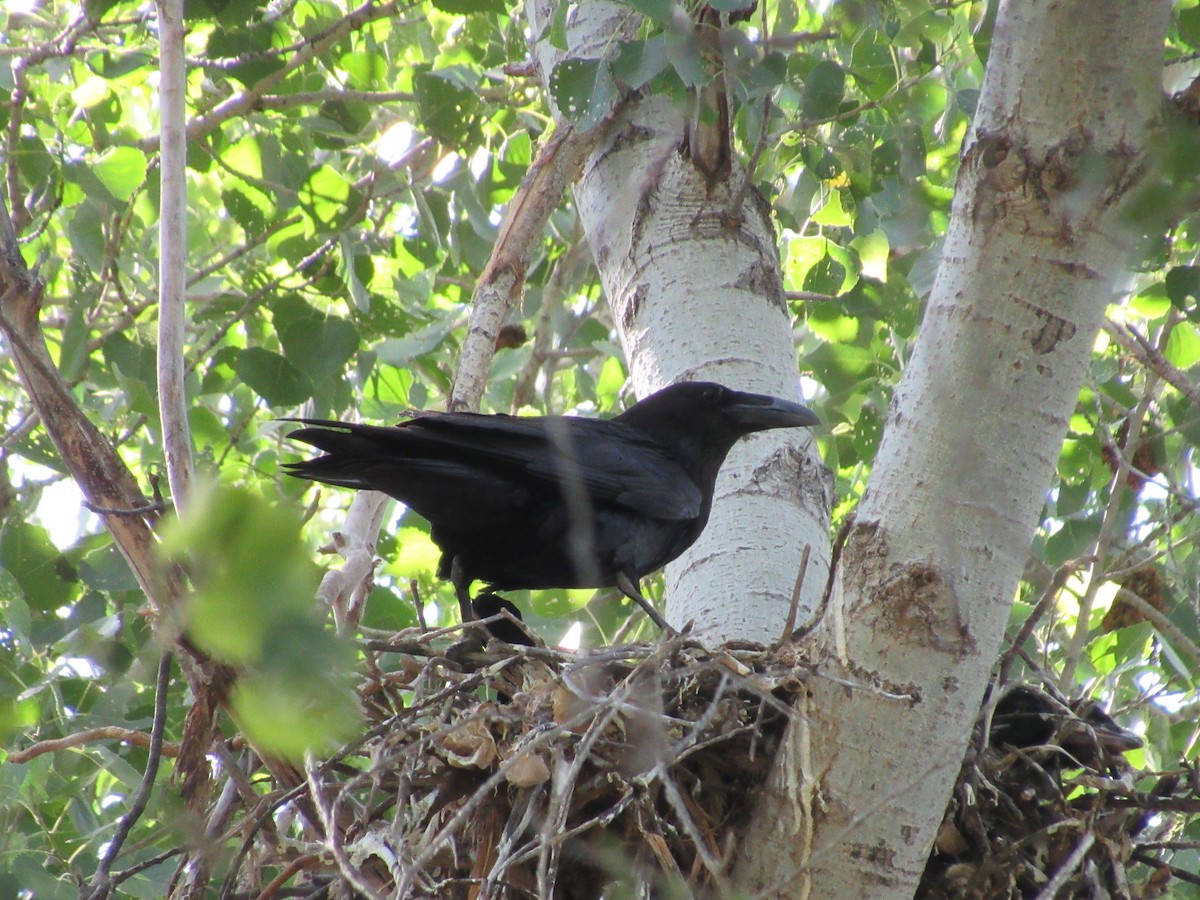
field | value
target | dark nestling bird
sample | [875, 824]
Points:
[553, 501]
[485, 605]
[1027, 718]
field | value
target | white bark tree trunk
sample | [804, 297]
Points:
[1034, 252]
[696, 291]
[172, 270]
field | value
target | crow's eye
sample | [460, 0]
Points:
[712, 394]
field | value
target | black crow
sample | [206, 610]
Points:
[553, 501]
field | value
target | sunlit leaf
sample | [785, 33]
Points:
[122, 170]
[583, 89]
[273, 377]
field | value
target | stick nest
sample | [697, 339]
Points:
[1039, 822]
[530, 772]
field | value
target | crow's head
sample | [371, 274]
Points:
[713, 415]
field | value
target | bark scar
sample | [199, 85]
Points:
[1050, 330]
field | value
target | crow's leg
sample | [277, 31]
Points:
[474, 637]
[462, 590]
[629, 587]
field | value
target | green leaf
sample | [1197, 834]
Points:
[366, 70]
[388, 610]
[638, 62]
[122, 170]
[105, 569]
[445, 108]
[248, 206]
[315, 343]
[14, 611]
[273, 377]
[351, 118]
[1183, 346]
[46, 578]
[683, 52]
[1072, 540]
[116, 65]
[226, 11]
[252, 606]
[657, 11]
[553, 604]
[354, 286]
[841, 368]
[982, 39]
[327, 196]
[297, 711]
[1183, 288]
[134, 360]
[1188, 21]
[765, 75]
[253, 577]
[246, 42]
[824, 89]
[558, 27]
[872, 64]
[583, 90]
[469, 7]
[401, 351]
[417, 554]
[87, 240]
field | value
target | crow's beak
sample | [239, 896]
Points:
[757, 412]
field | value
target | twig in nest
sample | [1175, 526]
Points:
[790, 625]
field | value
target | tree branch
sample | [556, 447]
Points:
[102, 884]
[1152, 358]
[557, 165]
[91, 736]
[172, 263]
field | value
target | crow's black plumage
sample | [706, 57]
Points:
[487, 605]
[553, 501]
[1028, 718]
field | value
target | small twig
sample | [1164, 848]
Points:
[126, 874]
[418, 603]
[679, 804]
[834, 559]
[790, 623]
[1176, 872]
[1152, 358]
[809, 296]
[794, 39]
[91, 736]
[1070, 864]
[143, 510]
[355, 875]
[1111, 518]
[102, 882]
[297, 865]
[1045, 602]
[734, 210]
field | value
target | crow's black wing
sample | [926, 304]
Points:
[500, 462]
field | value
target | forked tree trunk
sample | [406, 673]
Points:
[693, 280]
[1035, 250]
